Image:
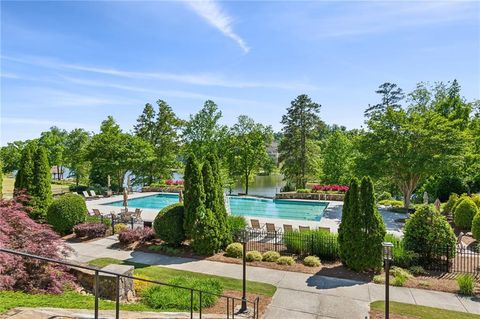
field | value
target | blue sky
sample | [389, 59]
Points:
[72, 64]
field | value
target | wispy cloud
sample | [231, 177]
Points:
[42, 122]
[211, 11]
[195, 79]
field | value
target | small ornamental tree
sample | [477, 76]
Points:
[464, 213]
[168, 224]
[42, 190]
[374, 228]
[19, 232]
[66, 212]
[428, 234]
[25, 173]
[206, 236]
[194, 195]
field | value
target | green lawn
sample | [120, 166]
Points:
[164, 274]
[421, 312]
[8, 183]
[74, 300]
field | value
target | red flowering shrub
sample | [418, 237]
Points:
[90, 230]
[129, 236]
[334, 188]
[171, 182]
[20, 232]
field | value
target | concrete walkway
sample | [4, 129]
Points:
[298, 295]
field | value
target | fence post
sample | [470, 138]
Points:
[275, 242]
[131, 221]
[113, 225]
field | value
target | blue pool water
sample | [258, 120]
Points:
[255, 207]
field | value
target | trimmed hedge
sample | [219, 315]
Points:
[66, 212]
[234, 250]
[476, 226]
[90, 230]
[253, 256]
[285, 260]
[271, 256]
[168, 224]
[129, 236]
[464, 213]
[312, 261]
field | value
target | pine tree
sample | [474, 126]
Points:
[42, 189]
[194, 196]
[374, 228]
[24, 177]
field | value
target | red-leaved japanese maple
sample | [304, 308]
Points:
[18, 231]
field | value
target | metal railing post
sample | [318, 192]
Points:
[113, 225]
[131, 221]
[200, 312]
[191, 303]
[97, 287]
[117, 298]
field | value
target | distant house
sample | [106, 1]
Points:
[57, 172]
[272, 151]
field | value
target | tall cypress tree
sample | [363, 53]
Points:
[194, 196]
[373, 229]
[343, 227]
[350, 237]
[24, 177]
[42, 189]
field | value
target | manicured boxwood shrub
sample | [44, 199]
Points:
[428, 234]
[168, 224]
[270, 256]
[312, 261]
[464, 213]
[165, 298]
[129, 236]
[313, 242]
[236, 223]
[285, 260]
[452, 200]
[90, 230]
[476, 226]
[253, 256]
[65, 212]
[234, 250]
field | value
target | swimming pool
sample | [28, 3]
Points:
[243, 206]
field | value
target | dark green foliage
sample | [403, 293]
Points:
[428, 234]
[42, 190]
[384, 196]
[476, 226]
[236, 223]
[464, 213]
[66, 212]
[24, 177]
[206, 235]
[349, 234]
[401, 257]
[452, 200]
[194, 195]
[166, 298]
[391, 96]
[168, 224]
[314, 242]
[475, 184]
[448, 185]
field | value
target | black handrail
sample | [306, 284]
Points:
[254, 303]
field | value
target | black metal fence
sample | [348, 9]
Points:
[231, 302]
[314, 242]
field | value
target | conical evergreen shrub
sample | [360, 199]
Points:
[349, 230]
[194, 195]
[42, 189]
[25, 173]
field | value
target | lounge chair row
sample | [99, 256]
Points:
[271, 228]
[92, 195]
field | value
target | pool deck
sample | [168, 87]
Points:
[331, 216]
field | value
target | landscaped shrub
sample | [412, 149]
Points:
[379, 279]
[400, 276]
[428, 234]
[194, 196]
[270, 256]
[448, 208]
[253, 256]
[475, 184]
[65, 212]
[234, 250]
[313, 242]
[401, 257]
[399, 281]
[460, 199]
[384, 196]
[236, 223]
[285, 260]
[417, 270]
[139, 285]
[118, 228]
[391, 202]
[165, 298]
[41, 189]
[141, 235]
[168, 224]
[476, 200]
[466, 284]
[90, 230]
[476, 226]
[206, 235]
[464, 213]
[304, 190]
[20, 232]
[448, 185]
[312, 261]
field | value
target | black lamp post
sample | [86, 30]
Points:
[243, 308]
[387, 258]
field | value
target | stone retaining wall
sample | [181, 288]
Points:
[310, 196]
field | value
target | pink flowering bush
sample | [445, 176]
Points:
[129, 236]
[334, 188]
[171, 182]
[19, 232]
[90, 230]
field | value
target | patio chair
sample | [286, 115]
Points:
[93, 194]
[287, 228]
[137, 215]
[303, 228]
[324, 229]
[96, 212]
[86, 195]
[256, 224]
[271, 228]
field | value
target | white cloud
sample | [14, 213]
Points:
[211, 11]
[42, 122]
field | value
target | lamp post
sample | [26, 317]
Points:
[387, 257]
[243, 308]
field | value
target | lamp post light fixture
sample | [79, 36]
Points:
[387, 258]
[244, 237]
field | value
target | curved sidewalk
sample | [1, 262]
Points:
[298, 295]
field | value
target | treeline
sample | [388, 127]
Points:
[426, 140]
